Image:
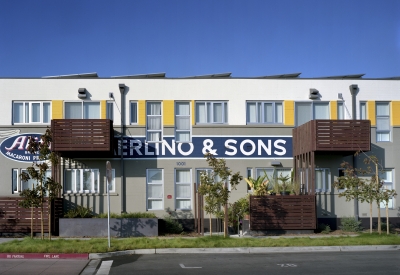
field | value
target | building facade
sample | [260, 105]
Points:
[166, 125]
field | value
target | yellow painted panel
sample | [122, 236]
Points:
[57, 109]
[168, 112]
[192, 113]
[142, 112]
[288, 115]
[395, 113]
[371, 112]
[333, 109]
[103, 111]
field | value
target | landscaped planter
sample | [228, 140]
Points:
[95, 227]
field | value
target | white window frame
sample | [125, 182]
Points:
[177, 117]
[150, 117]
[133, 113]
[110, 110]
[27, 110]
[363, 110]
[326, 180]
[95, 175]
[18, 182]
[388, 185]
[312, 105]
[249, 175]
[82, 108]
[340, 110]
[386, 118]
[260, 112]
[158, 183]
[177, 184]
[209, 172]
[112, 189]
[209, 112]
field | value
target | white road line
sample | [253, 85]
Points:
[188, 266]
[104, 268]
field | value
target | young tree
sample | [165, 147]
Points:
[38, 171]
[215, 187]
[31, 199]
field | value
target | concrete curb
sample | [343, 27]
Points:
[247, 250]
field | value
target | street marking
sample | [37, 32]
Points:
[104, 268]
[188, 266]
[287, 265]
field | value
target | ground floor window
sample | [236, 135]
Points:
[208, 172]
[387, 177]
[154, 189]
[322, 180]
[183, 189]
[81, 180]
[19, 185]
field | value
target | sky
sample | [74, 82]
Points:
[183, 38]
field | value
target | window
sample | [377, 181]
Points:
[387, 177]
[31, 112]
[322, 180]
[382, 121]
[209, 112]
[110, 110]
[155, 182]
[264, 112]
[249, 175]
[133, 112]
[154, 122]
[340, 110]
[112, 184]
[182, 122]
[82, 109]
[183, 189]
[81, 180]
[208, 172]
[19, 185]
[273, 172]
[306, 111]
[363, 110]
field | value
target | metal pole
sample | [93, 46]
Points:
[122, 90]
[108, 180]
[353, 92]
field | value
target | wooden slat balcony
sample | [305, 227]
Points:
[336, 136]
[78, 137]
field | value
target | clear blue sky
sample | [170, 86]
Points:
[197, 37]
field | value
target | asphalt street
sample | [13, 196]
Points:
[373, 262]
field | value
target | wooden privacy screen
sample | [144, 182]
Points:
[282, 212]
[82, 135]
[16, 219]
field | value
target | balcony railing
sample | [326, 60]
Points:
[333, 136]
[74, 136]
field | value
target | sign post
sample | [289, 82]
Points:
[109, 179]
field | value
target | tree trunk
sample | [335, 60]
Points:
[379, 218]
[370, 217]
[41, 213]
[225, 220]
[49, 205]
[210, 226]
[387, 217]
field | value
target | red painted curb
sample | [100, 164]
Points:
[48, 256]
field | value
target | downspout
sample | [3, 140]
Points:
[122, 90]
[353, 92]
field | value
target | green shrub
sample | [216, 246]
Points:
[79, 212]
[324, 228]
[172, 226]
[127, 215]
[349, 224]
[391, 227]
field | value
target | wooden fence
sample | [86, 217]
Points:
[16, 219]
[282, 212]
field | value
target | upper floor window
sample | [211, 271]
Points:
[81, 180]
[133, 112]
[182, 122]
[82, 109]
[264, 112]
[340, 110]
[154, 125]
[31, 112]
[363, 110]
[211, 112]
[382, 121]
[110, 110]
[306, 111]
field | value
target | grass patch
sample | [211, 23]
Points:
[100, 245]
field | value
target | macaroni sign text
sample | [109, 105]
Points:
[222, 147]
[15, 148]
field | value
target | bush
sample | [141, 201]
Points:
[324, 228]
[127, 215]
[349, 224]
[383, 227]
[172, 226]
[79, 212]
